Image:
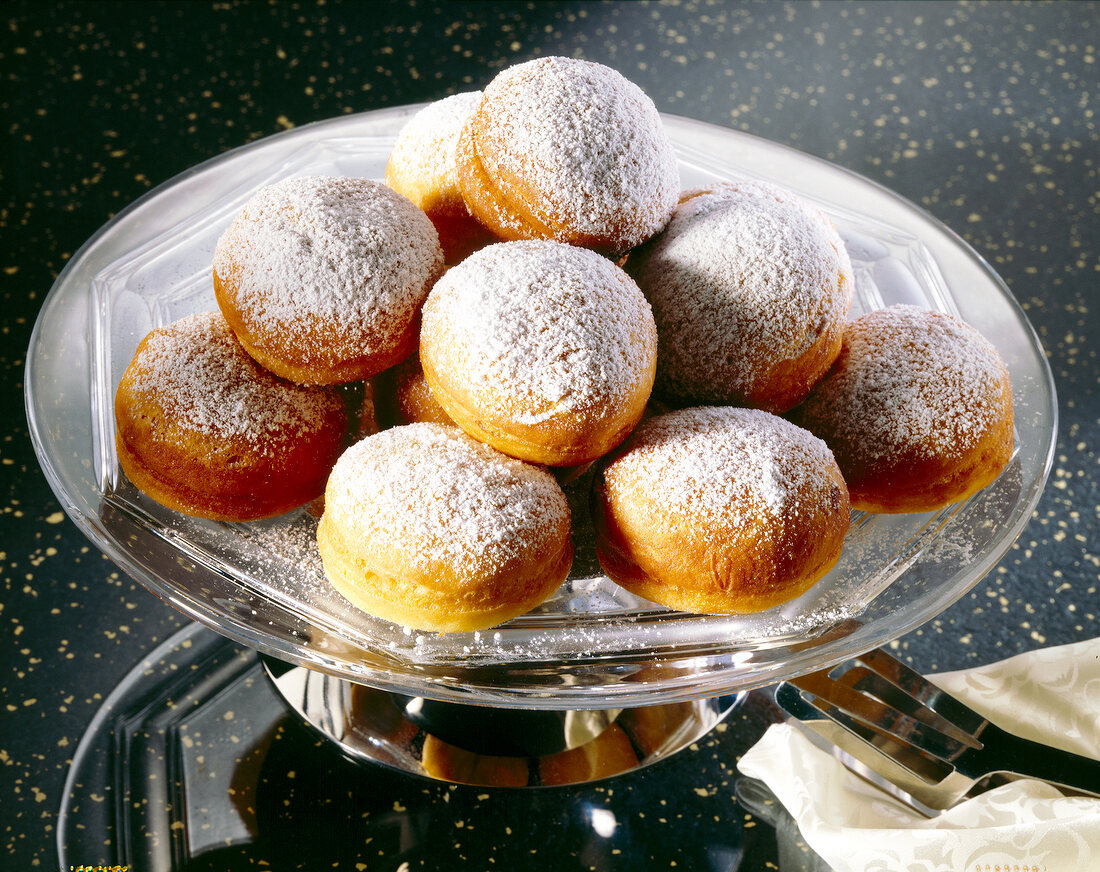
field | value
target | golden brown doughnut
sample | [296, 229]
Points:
[431, 529]
[402, 396]
[543, 350]
[322, 278]
[205, 430]
[917, 410]
[422, 166]
[719, 509]
[569, 150]
[750, 288]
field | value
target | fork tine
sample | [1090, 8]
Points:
[862, 680]
[927, 767]
[805, 705]
[880, 717]
[920, 688]
[853, 751]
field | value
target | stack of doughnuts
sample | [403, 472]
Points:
[530, 293]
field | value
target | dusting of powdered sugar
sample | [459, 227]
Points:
[726, 465]
[590, 143]
[909, 382]
[535, 329]
[746, 276]
[441, 498]
[346, 251]
[425, 148]
[200, 376]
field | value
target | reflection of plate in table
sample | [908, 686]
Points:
[592, 645]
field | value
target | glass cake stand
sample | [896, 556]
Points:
[592, 647]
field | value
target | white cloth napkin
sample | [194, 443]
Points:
[1051, 695]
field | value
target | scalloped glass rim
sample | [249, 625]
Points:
[592, 645]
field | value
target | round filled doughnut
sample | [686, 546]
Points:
[322, 278]
[428, 528]
[569, 150]
[422, 166]
[717, 509]
[205, 430]
[917, 410]
[543, 350]
[750, 288]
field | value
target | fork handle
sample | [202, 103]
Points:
[1025, 758]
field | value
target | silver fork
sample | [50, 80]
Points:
[917, 742]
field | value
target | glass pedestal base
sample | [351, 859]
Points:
[197, 762]
[492, 746]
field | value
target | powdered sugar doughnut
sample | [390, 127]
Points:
[568, 150]
[431, 529]
[423, 167]
[720, 509]
[205, 430]
[541, 349]
[750, 288]
[917, 410]
[322, 278]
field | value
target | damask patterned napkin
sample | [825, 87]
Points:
[1052, 696]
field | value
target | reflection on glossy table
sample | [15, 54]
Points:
[974, 113]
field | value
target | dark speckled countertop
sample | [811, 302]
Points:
[983, 114]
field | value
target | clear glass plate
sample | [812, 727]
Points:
[592, 645]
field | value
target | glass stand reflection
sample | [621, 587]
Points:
[196, 761]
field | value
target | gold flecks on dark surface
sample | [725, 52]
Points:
[983, 114]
